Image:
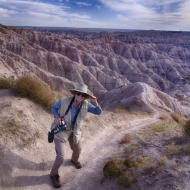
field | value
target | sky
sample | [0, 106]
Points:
[171, 15]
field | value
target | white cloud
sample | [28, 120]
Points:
[98, 6]
[26, 11]
[163, 13]
[82, 3]
[6, 13]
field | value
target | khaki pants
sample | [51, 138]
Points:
[60, 148]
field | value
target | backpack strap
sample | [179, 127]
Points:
[70, 104]
[72, 100]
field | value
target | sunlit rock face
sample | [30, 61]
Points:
[103, 60]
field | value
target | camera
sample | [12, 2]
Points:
[61, 127]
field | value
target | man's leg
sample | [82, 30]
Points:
[60, 148]
[76, 148]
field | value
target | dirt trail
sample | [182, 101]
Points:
[26, 169]
[90, 177]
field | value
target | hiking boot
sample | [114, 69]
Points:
[55, 180]
[77, 165]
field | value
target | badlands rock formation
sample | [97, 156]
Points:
[145, 67]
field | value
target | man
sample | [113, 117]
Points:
[73, 110]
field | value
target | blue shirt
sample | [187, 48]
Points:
[91, 108]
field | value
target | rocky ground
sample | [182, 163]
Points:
[27, 157]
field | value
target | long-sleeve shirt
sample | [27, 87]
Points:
[91, 108]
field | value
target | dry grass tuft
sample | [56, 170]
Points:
[176, 117]
[30, 141]
[186, 128]
[158, 128]
[186, 149]
[6, 82]
[126, 139]
[163, 117]
[172, 150]
[120, 111]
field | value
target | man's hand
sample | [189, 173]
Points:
[58, 120]
[93, 100]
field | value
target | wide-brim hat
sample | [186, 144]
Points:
[83, 89]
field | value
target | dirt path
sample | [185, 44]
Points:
[25, 169]
[90, 177]
[96, 152]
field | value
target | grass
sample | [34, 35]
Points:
[126, 179]
[32, 88]
[186, 128]
[186, 149]
[149, 151]
[172, 150]
[126, 139]
[113, 168]
[158, 128]
[10, 126]
[18, 131]
[6, 83]
[35, 90]
[176, 117]
[163, 117]
[120, 111]
[126, 171]
[30, 141]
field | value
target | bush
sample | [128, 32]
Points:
[126, 180]
[130, 162]
[35, 90]
[186, 128]
[113, 168]
[126, 139]
[6, 82]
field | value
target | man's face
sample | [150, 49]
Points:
[79, 96]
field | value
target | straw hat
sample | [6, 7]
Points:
[83, 89]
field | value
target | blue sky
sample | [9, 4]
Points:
[118, 14]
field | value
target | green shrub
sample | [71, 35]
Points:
[113, 168]
[126, 179]
[130, 162]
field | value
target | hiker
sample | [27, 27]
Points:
[74, 109]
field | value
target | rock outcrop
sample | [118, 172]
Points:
[103, 60]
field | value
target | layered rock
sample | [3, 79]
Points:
[102, 60]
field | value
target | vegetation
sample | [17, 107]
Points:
[140, 164]
[158, 128]
[37, 91]
[6, 83]
[32, 88]
[186, 128]
[12, 128]
[126, 139]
